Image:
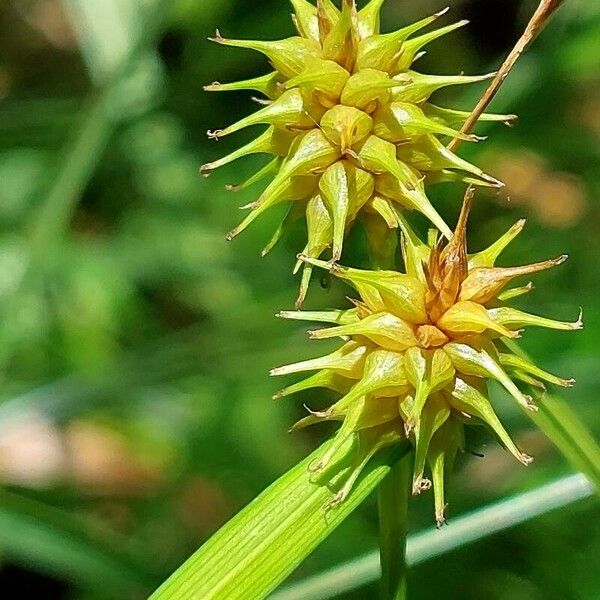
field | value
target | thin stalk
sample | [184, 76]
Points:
[393, 497]
[544, 11]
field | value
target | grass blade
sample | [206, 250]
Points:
[253, 553]
[563, 427]
[572, 438]
[433, 542]
[57, 543]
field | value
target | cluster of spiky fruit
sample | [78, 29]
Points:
[351, 129]
[354, 137]
[419, 349]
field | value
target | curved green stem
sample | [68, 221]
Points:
[393, 497]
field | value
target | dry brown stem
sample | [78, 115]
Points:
[534, 27]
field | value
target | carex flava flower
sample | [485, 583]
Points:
[419, 350]
[350, 128]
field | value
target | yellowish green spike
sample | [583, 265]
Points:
[398, 121]
[270, 85]
[294, 213]
[347, 361]
[468, 399]
[455, 118]
[411, 47]
[287, 56]
[429, 154]
[261, 145]
[433, 416]
[335, 317]
[418, 87]
[287, 111]
[384, 329]
[270, 168]
[323, 379]
[306, 19]
[484, 284]
[489, 256]
[383, 50]
[340, 44]
[519, 363]
[512, 317]
[471, 318]
[369, 19]
[478, 363]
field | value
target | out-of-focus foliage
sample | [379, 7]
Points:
[135, 341]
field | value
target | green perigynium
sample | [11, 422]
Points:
[350, 127]
[419, 350]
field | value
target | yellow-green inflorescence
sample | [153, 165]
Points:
[350, 127]
[419, 349]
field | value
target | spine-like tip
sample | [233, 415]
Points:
[420, 484]
[471, 137]
[214, 134]
[442, 12]
[561, 259]
[285, 314]
[493, 181]
[206, 170]
[218, 38]
[315, 262]
[250, 206]
[520, 225]
[261, 101]
[322, 414]
[530, 404]
[525, 459]
[300, 299]
[440, 518]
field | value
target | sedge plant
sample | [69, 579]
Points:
[355, 139]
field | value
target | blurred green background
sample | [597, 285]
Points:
[135, 411]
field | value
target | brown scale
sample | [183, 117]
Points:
[446, 270]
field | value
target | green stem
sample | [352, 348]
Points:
[394, 493]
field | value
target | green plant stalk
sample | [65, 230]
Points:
[257, 549]
[393, 498]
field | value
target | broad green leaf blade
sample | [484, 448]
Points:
[255, 551]
[57, 543]
[565, 430]
[433, 543]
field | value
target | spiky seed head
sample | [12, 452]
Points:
[420, 348]
[348, 116]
